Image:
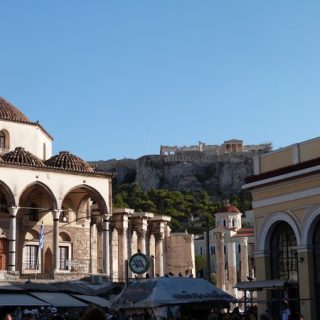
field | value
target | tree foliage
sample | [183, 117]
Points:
[186, 209]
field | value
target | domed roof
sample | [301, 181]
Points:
[10, 112]
[68, 161]
[229, 209]
[22, 157]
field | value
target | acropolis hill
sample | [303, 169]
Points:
[218, 169]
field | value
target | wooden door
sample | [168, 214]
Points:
[4, 248]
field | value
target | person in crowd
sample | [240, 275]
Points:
[94, 313]
[285, 312]
[8, 317]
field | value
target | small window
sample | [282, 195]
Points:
[201, 251]
[64, 257]
[239, 248]
[224, 223]
[31, 257]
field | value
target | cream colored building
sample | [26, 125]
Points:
[231, 248]
[74, 202]
[286, 203]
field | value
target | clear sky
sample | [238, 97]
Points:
[113, 79]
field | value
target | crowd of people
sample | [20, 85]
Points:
[251, 313]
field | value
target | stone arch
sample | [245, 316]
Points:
[269, 224]
[8, 194]
[64, 237]
[92, 192]
[45, 188]
[309, 225]
[32, 235]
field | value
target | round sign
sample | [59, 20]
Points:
[139, 263]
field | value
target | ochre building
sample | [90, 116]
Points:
[285, 189]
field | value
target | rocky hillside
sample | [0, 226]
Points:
[221, 177]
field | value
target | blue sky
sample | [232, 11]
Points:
[114, 79]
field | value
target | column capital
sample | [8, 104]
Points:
[244, 241]
[13, 211]
[56, 214]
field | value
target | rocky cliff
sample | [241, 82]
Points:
[220, 177]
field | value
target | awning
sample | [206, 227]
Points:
[98, 301]
[23, 300]
[264, 284]
[58, 299]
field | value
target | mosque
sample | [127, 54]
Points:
[64, 204]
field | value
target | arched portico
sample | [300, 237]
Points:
[36, 204]
[87, 212]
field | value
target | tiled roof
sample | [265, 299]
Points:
[229, 208]
[72, 164]
[244, 232]
[9, 112]
[20, 156]
[283, 170]
[68, 161]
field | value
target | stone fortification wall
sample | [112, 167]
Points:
[220, 176]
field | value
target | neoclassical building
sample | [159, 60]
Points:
[231, 248]
[74, 202]
[285, 189]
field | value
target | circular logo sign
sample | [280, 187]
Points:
[139, 263]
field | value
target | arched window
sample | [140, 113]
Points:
[233, 223]
[284, 262]
[2, 140]
[284, 258]
[44, 151]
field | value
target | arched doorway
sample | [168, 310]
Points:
[4, 248]
[284, 265]
[48, 261]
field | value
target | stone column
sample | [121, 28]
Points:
[123, 250]
[114, 272]
[244, 259]
[159, 254]
[134, 244]
[106, 245]
[220, 259]
[56, 253]
[142, 241]
[12, 238]
[232, 266]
